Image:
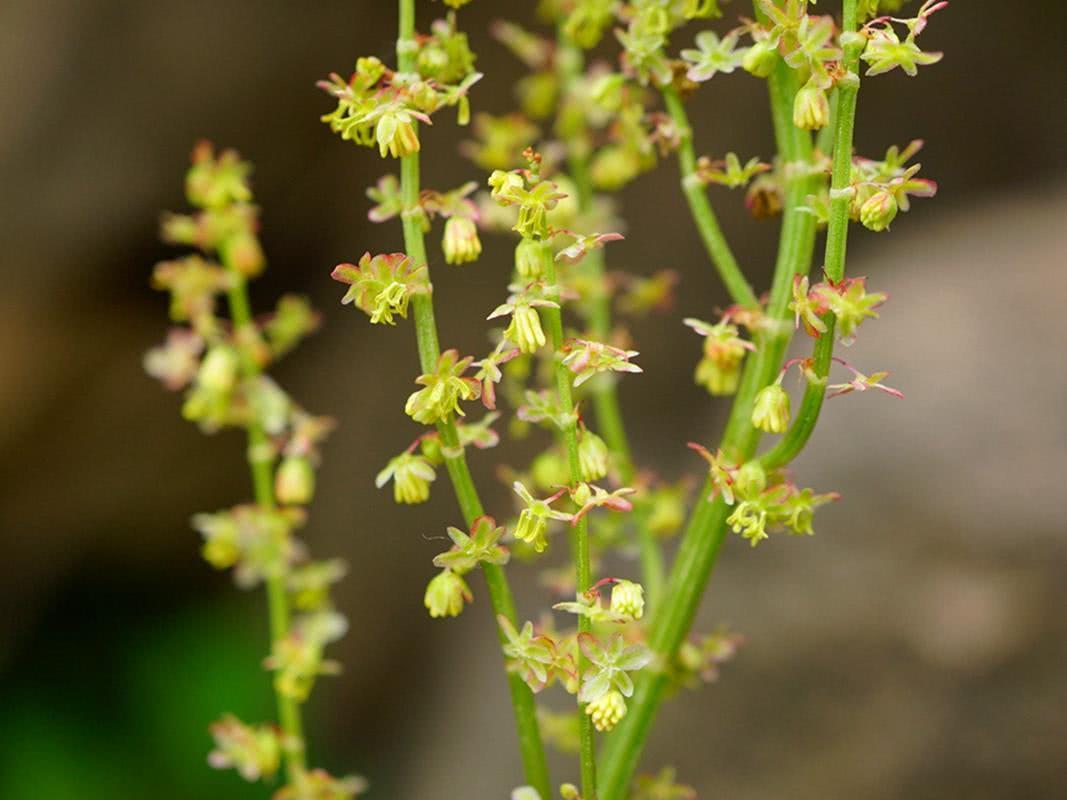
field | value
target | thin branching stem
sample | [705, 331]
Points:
[706, 529]
[261, 462]
[554, 322]
[794, 439]
[531, 748]
[707, 223]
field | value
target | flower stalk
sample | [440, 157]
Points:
[707, 528]
[261, 464]
[501, 600]
[583, 570]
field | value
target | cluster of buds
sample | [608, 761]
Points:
[256, 541]
[606, 682]
[380, 107]
[381, 286]
[220, 364]
[532, 655]
[730, 172]
[317, 784]
[885, 49]
[443, 389]
[699, 657]
[848, 300]
[447, 593]
[297, 658]
[662, 786]
[763, 501]
[881, 189]
[587, 359]
[254, 751]
[719, 370]
[533, 196]
[627, 603]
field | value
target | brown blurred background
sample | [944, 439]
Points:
[916, 648]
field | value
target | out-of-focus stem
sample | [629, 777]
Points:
[609, 416]
[261, 462]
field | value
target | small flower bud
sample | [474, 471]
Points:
[759, 60]
[446, 594]
[423, 97]
[751, 479]
[180, 229]
[396, 135]
[370, 69]
[628, 599]
[529, 260]
[532, 528]
[719, 377]
[218, 370]
[460, 242]
[549, 470]
[613, 167]
[879, 210]
[592, 456]
[811, 108]
[411, 476]
[255, 752]
[770, 411]
[294, 482]
[607, 710]
[525, 329]
[242, 252]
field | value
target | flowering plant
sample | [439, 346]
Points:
[585, 129]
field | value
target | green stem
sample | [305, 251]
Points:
[605, 394]
[535, 766]
[794, 439]
[261, 464]
[707, 224]
[706, 530]
[554, 322]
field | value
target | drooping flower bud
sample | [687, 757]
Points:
[446, 594]
[751, 479]
[759, 59]
[592, 456]
[811, 108]
[549, 470]
[628, 599]
[294, 482]
[607, 710]
[222, 545]
[532, 528]
[525, 329]
[218, 370]
[243, 252]
[770, 411]
[443, 390]
[411, 476]
[396, 135]
[529, 260]
[879, 210]
[460, 243]
[254, 751]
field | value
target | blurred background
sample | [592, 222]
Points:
[916, 648]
